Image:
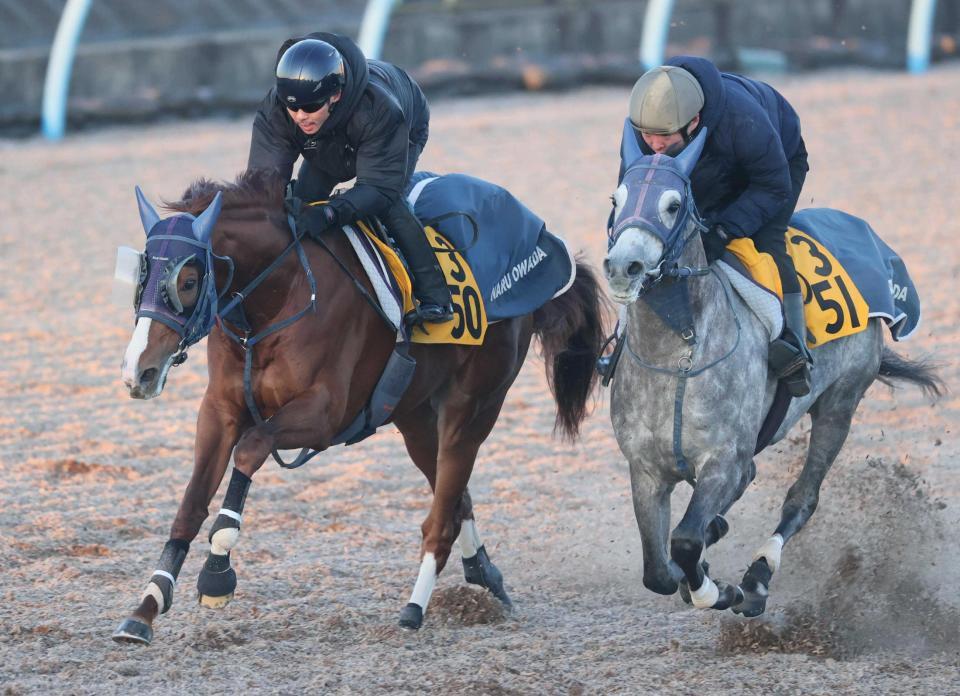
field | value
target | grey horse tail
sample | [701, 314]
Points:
[921, 372]
[571, 332]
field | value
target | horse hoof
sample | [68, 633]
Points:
[216, 585]
[730, 596]
[214, 602]
[480, 570]
[133, 631]
[411, 617]
[752, 605]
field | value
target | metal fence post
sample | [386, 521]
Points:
[56, 85]
[653, 37]
[919, 33]
[373, 27]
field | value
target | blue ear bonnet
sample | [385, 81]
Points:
[646, 178]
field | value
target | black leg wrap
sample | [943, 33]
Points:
[171, 560]
[237, 491]
[411, 617]
[479, 570]
[756, 588]
[217, 579]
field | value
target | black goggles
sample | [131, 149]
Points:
[309, 108]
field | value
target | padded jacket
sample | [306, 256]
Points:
[741, 179]
[381, 112]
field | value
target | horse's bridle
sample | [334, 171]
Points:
[675, 241]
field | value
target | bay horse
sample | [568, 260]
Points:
[312, 377]
[689, 405]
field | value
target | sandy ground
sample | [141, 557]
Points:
[865, 600]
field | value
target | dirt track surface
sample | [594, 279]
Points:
[865, 600]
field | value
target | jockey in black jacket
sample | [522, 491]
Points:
[748, 178]
[350, 117]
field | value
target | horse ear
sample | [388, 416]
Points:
[687, 159]
[148, 216]
[630, 150]
[203, 225]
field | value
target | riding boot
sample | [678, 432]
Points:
[789, 356]
[429, 285]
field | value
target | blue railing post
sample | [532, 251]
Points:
[56, 85]
[919, 33]
[653, 36]
[373, 27]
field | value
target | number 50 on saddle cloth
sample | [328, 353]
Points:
[507, 266]
[846, 272]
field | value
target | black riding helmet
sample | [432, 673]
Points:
[309, 72]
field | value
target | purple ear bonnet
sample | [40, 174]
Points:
[172, 244]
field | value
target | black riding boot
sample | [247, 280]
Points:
[789, 356]
[429, 285]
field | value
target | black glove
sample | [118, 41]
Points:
[316, 219]
[715, 242]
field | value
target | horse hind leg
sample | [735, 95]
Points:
[831, 414]
[478, 569]
[457, 450]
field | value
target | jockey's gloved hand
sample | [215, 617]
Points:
[715, 242]
[316, 219]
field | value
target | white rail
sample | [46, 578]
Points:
[56, 85]
[373, 27]
[653, 37]
[919, 33]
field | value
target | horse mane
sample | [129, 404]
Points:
[253, 188]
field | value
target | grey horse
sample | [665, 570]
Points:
[688, 404]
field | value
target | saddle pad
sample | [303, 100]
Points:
[469, 323]
[518, 265]
[864, 279]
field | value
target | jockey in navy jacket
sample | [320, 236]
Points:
[741, 180]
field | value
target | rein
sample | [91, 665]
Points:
[667, 267]
[685, 370]
[247, 342]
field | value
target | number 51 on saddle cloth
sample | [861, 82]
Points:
[846, 272]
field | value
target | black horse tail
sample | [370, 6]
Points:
[920, 372]
[570, 329]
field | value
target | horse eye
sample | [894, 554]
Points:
[674, 207]
[190, 284]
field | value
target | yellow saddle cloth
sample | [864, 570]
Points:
[833, 306]
[469, 323]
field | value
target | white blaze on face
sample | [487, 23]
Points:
[131, 359]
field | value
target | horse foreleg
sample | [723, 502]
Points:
[718, 486]
[297, 422]
[832, 416]
[217, 432]
[651, 506]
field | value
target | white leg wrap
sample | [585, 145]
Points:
[425, 581]
[153, 591]
[469, 539]
[706, 596]
[223, 540]
[771, 550]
